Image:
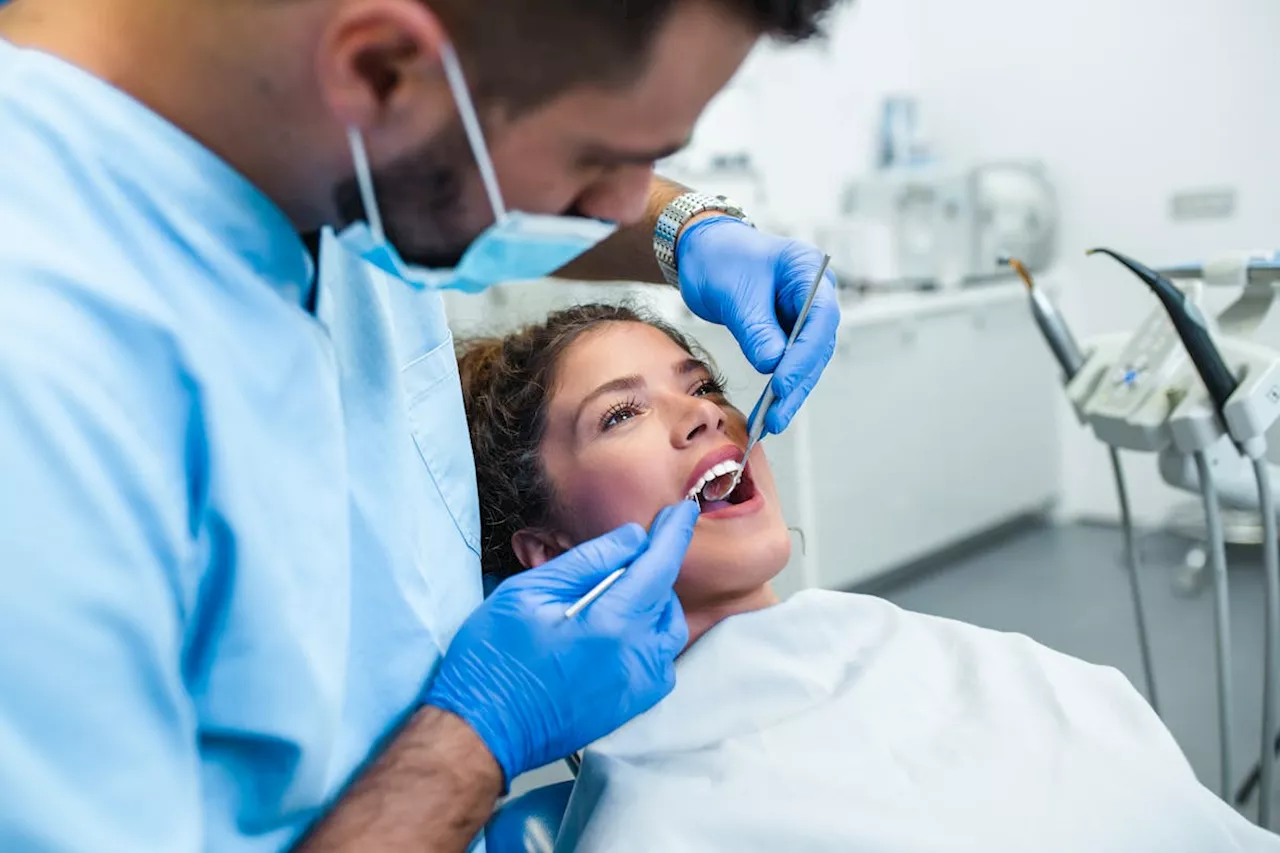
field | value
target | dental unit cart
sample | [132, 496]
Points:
[1192, 389]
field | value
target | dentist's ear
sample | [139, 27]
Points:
[535, 546]
[378, 65]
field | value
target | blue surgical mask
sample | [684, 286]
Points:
[516, 247]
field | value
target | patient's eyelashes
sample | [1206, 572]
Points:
[625, 410]
[713, 387]
[619, 413]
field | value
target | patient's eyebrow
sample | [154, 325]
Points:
[633, 382]
[691, 365]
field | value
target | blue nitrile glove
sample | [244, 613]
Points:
[537, 686]
[756, 284]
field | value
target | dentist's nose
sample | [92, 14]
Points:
[699, 416]
[619, 196]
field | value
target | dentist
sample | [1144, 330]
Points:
[238, 518]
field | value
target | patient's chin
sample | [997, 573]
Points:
[717, 566]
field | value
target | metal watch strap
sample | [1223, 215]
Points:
[674, 217]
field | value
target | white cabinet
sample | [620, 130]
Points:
[936, 421]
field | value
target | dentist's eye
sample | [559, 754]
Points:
[620, 413]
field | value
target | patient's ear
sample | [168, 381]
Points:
[535, 545]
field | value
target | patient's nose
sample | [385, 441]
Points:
[700, 416]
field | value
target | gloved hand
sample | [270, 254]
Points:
[537, 686]
[756, 284]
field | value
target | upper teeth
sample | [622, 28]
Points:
[729, 466]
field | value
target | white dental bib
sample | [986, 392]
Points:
[838, 722]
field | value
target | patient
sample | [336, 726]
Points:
[831, 721]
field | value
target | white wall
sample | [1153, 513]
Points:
[1126, 101]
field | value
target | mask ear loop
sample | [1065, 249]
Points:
[475, 138]
[364, 179]
[471, 124]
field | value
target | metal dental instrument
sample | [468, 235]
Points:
[756, 430]
[1052, 326]
[596, 591]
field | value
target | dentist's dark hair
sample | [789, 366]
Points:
[519, 53]
[507, 383]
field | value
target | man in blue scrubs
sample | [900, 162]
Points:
[238, 522]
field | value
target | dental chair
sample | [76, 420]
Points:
[529, 823]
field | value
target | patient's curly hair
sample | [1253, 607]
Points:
[506, 386]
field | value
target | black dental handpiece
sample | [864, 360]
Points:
[1190, 325]
[1051, 323]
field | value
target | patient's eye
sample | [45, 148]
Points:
[619, 413]
[712, 387]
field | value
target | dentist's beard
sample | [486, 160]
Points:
[422, 199]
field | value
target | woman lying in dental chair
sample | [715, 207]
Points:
[831, 721]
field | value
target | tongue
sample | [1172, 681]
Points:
[715, 506]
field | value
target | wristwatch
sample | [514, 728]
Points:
[674, 217]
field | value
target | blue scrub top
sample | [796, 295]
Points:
[235, 536]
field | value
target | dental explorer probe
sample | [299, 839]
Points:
[598, 590]
[1221, 383]
[756, 430]
[1064, 347]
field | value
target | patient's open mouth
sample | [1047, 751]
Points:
[715, 491]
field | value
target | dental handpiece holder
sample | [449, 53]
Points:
[1144, 392]
[1141, 392]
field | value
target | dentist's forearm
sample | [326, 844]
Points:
[433, 789]
[628, 254]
